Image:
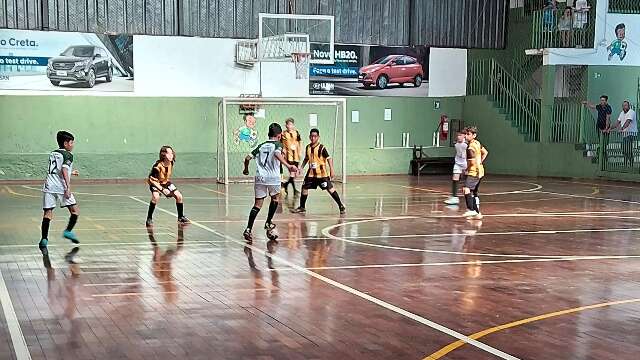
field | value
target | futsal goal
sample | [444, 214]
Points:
[243, 124]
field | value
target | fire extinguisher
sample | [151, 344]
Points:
[444, 127]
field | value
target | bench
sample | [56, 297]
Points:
[422, 164]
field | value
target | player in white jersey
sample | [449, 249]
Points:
[459, 166]
[57, 189]
[268, 157]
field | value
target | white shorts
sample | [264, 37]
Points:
[262, 191]
[457, 169]
[52, 200]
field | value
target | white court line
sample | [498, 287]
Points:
[473, 262]
[545, 232]
[590, 197]
[327, 232]
[533, 189]
[135, 244]
[353, 291]
[15, 332]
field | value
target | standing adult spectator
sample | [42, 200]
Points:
[604, 113]
[628, 124]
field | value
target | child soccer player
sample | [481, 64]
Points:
[459, 167]
[320, 172]
[476, 154]
[57, 189]
[268, 157]
[159, 183]
[291, 145]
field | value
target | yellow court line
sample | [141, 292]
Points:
[454, 345]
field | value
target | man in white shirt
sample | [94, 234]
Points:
[628, 125]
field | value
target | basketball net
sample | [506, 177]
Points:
[301, 61]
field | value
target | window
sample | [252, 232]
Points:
[409, 60]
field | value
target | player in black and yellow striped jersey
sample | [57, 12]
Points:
[476, 154]
[320, 172]
[292, 147]
[159, 182]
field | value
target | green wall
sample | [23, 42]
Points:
[618, 82]
[510, 154]
[118, 137]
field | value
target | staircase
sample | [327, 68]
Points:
[487, 77]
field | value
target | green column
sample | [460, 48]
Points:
[546, 104]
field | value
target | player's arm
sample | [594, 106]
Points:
[483, 154]
[325, 153]
[248, 159]
[626, 125]
[608, 124]
[471, 160]
[153, 179]
[67, 181]
[283, 161]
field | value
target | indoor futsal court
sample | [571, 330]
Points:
[550, 270]
[319, 179]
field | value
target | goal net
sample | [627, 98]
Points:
[238, 135]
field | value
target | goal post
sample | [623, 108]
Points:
[238, 135]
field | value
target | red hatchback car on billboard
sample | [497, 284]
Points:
[399, 69]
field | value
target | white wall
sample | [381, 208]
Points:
[447, 72]
[182, 66]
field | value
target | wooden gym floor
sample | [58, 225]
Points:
[552, 272]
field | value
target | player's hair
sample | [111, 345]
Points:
[605, 97]
[314, 130]
[163, 153]
[62, 137]
[619, 27]
[471, 129]
[274, 130]
[289, 120]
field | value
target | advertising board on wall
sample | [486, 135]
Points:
[42, 60]
[361, 70]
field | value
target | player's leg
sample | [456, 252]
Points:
[476, 200]
[155, 196]
[328, 186]
[453, 200]
[309, 183]
[470, 183]
[47, 214]
[292, 179]
[74, 212]
[180, 207]
[261, 193]
[273, 206]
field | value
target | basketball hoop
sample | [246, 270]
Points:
[301, 61]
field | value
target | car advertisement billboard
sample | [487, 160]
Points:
[370, 71]
[41, 60]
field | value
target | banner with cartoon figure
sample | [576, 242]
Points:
[617, 39]
[246, 133]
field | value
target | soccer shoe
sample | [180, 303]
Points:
[343, 210]
[269, 226]
[454, 200]
[272, 236]
[71, 257]
[478, 216]
[469, 213]
[70, 235]
[149, 223]
[183, 220]
[247, 235]
[42, 245]
[299, 210]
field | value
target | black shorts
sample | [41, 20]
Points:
[172, 188]
[472, 182]
[311, 183]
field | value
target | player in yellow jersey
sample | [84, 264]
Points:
[476, 154]
[291, 147]
[159, 183]
[320, 172]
